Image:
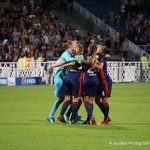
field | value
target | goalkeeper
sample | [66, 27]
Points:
[60, 74]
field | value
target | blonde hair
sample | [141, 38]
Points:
[93, 49]
[79, 49]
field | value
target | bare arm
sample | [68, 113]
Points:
[58, 64]
[87, 62]
[99, 65]
[107, 56]
[69, 64]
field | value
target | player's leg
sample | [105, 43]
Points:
[87, 105]
[90, 87]
[75, 93]
[105, 100]
[59, 92]
[75, 107]
[69, 112]
[89, 109]
[99, 103]
[68, 115]
[66, 104]
[92, 120]
[79, 117]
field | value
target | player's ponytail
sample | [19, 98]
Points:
[92, 49]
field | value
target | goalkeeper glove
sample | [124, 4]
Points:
[79, 59]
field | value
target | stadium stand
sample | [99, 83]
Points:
[127, 17]
[34, 28]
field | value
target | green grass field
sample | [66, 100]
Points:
[23, 124]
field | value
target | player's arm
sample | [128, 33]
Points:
[64, 59]
[69, 59]
[58, 64]
[87, 62]
[69, 64]
[99, 65]
[107, 56]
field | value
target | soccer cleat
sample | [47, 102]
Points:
[61, 119]
[106, 121]
[86, 122]
[80, 119]
[93, 121]
[74, 122]
[51, 120]
[109, 119]
[66, 118]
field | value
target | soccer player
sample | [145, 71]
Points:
[59, 77]
[105, 85]
[90, 82]
[72, 83]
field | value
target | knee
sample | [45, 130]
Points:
[75, 100]
[105, 101]
[91, 100]
[86, 99]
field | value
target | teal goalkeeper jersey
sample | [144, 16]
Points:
[67, 57]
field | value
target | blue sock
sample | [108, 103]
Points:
[74, 111]
[89, 110]
[54, 108]
[92, 106]
[64, 107]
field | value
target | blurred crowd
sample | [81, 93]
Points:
[33, 31]
[133, 24]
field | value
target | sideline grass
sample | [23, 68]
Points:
[23, 125]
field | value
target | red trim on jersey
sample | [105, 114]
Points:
[105, 83]
[81, 80]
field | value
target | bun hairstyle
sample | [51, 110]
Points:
[92, 50]
[64, 45]
[67, 44]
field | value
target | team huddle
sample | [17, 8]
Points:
[82, 78]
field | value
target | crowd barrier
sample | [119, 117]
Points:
[11, 73]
